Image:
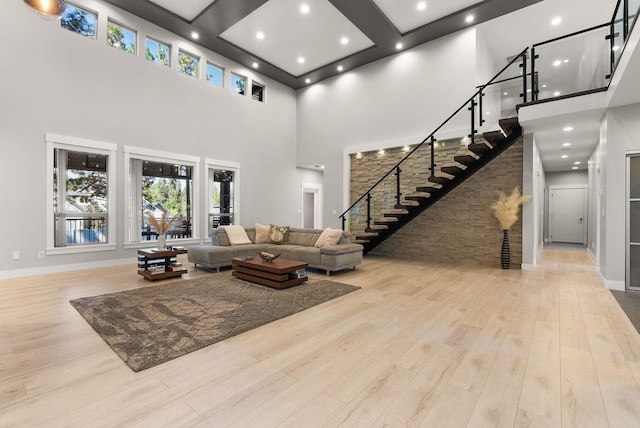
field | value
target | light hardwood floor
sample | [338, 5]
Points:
[420, 345]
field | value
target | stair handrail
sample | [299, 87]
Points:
[479, 91]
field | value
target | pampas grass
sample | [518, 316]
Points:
[164, 224]
[506, 207]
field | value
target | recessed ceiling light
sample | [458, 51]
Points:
[506, 93]
[556, 21]
[557, 63]
[254, 65]
[566, 144]
[260, 35]
[422, 5]
[340, 68]
[556, 93]
[544, 86]
[575, 167]
[399, 46]
[195, 35]
[528, 90]
[568, 129]
[300, 60]
[344, 41]
[565, 61]
[577, 163]
[615, 48]
[469, 19]
[564, 156]
[307, 80]
[304, 8]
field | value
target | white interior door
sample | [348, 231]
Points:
[567, 214]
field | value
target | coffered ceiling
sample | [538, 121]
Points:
[298, 42]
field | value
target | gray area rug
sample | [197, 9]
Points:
[629, 301]
[151, 325]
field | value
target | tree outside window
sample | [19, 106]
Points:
[158, 52]
[188, 64]
[79, 21]
[121, 37]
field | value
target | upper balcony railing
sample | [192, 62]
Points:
[583, 61]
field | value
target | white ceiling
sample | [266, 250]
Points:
[373, 29]
[290, 35]
[407, 15]
[187, 9]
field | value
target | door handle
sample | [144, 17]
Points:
[580, 220]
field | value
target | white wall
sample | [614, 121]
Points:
[533, 184]
[56, 81]
[620, 133]
[400, 98]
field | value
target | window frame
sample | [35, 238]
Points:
[210, 166]
[264, 91]
[133, 207]
[222, 71]
[55, 141]
[89, 11]
[199, 58]
[159, 42]
[126, 27]
[240, 77]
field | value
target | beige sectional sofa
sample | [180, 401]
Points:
[300, 246]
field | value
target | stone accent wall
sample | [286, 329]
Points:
[461, 226]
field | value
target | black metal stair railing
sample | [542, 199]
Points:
[437, 160]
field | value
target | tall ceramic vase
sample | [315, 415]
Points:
[162, 242]
[505, 256]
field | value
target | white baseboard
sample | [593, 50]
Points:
[21, 273]
[594, 259]
[611, 285]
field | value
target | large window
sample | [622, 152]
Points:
[81, 193]
[222, 193]
[121, 37]
[189, 64]
[79, 21]
[161, 186]
[158, 52]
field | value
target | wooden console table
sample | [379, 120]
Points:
[154, 264]
[277, 274]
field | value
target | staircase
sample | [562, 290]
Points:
[425, 174]
[465, 163]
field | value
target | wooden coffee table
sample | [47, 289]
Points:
[274, 274]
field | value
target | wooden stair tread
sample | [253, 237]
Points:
[494, 137]
[453, 170]
[426, 189]
[509, 124]
[465, 160]
[478, 148]
[437, 179]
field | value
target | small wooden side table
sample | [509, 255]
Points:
[154, 264]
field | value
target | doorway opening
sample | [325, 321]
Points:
[311, 206]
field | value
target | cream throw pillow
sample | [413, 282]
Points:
[329, 237]
[262, 233]
[237, 235]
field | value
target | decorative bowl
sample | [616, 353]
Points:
[268, 257]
